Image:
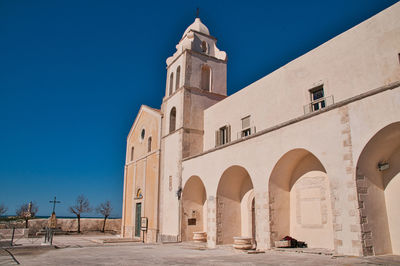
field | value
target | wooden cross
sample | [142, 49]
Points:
[197, 12]
[54, 203]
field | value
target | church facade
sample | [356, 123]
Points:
[310, 151]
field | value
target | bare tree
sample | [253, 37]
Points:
[27, 211]
[105, 210]
[3, 209]
[81, 206]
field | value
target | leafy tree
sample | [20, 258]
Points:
[105, 210]
[3, 209]
[81, 206]
[27, 211]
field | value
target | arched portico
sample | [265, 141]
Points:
[235, 205]
[194, 208]
[300, 205]
[378, 188]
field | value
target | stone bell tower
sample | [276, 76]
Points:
[196, 79]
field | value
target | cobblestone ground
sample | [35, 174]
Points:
[91, 251]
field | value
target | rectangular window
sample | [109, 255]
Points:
[192, 221]
[317, 98]
[223, 135]
[132, 151]
[246, 130]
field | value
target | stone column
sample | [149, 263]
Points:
[211, 222]
[346, 219]
[263, 236]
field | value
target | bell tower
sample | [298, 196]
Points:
[196, 79]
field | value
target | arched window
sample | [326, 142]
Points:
[178, 76]
[149, 144]
[206, 77]
[142, 134]
[132, 151]
[172, 120]
[171, 83]
[204, 46]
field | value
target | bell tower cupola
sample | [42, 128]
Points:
[197, 62]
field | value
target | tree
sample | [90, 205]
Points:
[3, 209]
[105, 210]
[81, 206]
[27, 211]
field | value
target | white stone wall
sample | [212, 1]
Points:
[361, 59]
[333, 137]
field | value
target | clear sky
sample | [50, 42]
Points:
[74, 73]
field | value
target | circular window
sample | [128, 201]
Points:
[142, 134]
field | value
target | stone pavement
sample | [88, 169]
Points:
[93, 250]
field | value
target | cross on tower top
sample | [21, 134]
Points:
[197, 12]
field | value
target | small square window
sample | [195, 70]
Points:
[192, 221]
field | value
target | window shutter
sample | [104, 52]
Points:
[228, 133]
[216, 138]
[246, 122]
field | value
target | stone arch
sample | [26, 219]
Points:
[234, 199]
[300, 204]
[172, 120]
[194, 208]
[378, 187]
[206, 77]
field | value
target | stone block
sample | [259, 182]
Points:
[352, 212]
[365, 227]
[347, 142]
[368, 243]
[336, 212]
[349, 170]
[337, 227]
[347, 157]
[368, 251]
[362, 190]
[363, 220]
[356, 243]
[352, 197]
[361, 183]
[355, 228]
[367, 235]
[338, 242]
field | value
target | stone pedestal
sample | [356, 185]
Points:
[242, 242]
[199, 236]
[53, 221]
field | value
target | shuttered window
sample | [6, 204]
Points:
[223, 135]
[246, 122]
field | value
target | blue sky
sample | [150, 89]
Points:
[73, 75]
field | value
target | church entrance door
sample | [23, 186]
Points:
[137, 219]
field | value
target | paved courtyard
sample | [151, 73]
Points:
[93, 250]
